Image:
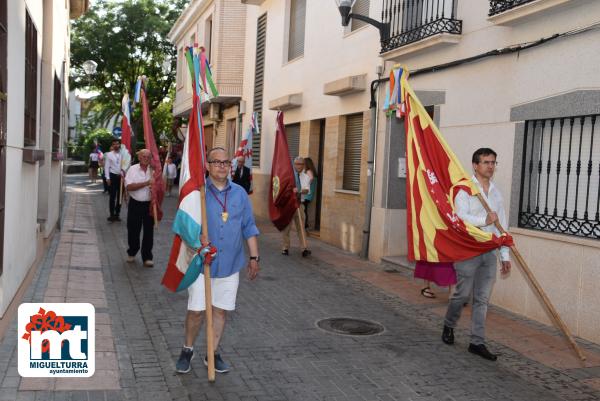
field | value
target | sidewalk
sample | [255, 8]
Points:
[271, 340]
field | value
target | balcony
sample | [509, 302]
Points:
[507, 12]
[413, 21]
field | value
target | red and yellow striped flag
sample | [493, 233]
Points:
[434, 177]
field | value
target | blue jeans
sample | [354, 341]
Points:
[476, 276]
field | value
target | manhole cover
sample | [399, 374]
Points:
[77, 230]
[350, 327]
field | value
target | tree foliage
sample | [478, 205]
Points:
[127, 39]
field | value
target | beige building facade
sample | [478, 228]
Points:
[536, 102]
[34, 65]
[219, 27]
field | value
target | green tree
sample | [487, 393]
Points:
[127, 39]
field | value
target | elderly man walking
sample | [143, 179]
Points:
[230, 223]
[302, 188]
[138, 182]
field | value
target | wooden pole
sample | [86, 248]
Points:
[210, 346]
[536, 285]
[121, 191]
[301, 229]
[154, 208]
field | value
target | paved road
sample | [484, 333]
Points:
[272, 340]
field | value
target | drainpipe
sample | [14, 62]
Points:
[364, 253]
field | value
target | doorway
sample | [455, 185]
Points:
[319, 166]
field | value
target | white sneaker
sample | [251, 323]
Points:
[148, 263]
[130, 259]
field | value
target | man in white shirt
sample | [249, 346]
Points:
[112, 172]
[302, 188]
[477, 275]
[138, 182]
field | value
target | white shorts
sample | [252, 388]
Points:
[224, 292]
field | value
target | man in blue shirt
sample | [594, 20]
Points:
[230, 223]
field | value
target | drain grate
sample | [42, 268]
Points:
[77, 231]
[350, 327]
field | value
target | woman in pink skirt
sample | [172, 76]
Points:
[442, 274]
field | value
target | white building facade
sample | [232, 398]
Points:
[536, 102]
[34, 42]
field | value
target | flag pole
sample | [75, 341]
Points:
[121, 190]
[154, 209]
[536, 285]
[301, 229]
[210, 346]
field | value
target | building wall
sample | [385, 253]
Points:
[55, 44]
[24, 181]
[226, 48]
[330, 53]
[479, 98]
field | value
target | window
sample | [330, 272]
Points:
[259, 75]
[180, 68]
[360, 7]
[296, 33]
[56, 115]
[352, 152]
[230, 132]
[560, 176]
[31, 95]
[292, 134]
[3, 62]
[208, 37]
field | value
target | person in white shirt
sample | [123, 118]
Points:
[477, 275]
[302, 188]
[169, 172]
[112, 172]
[94, 157]
[138, 182]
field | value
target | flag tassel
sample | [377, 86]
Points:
[536, 286]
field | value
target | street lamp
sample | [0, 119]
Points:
[89, 67]
[345, 8]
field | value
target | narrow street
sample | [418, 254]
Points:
[272, 340]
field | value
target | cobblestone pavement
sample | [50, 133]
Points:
[272, 341]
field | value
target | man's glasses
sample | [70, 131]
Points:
[489, 163]
[220, 163]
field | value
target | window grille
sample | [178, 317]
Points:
[31, 95]
[560, 176]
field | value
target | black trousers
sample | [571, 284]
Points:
[306, 203]
[114, 203]
[138, 216]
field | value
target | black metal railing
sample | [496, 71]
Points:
[560, 176]
[413, 20]
[500, 6]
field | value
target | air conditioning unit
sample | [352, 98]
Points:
[214, 111]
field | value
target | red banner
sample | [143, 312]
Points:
[283, 202]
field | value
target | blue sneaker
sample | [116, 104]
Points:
[220, 365]
[184, 363]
